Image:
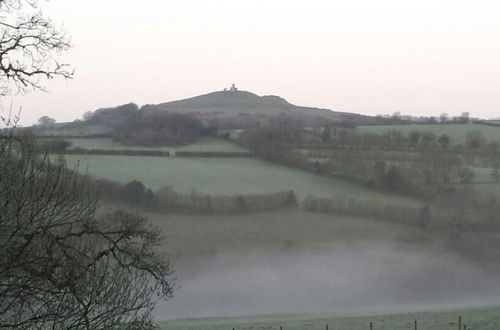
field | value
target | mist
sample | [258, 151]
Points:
[343, 281]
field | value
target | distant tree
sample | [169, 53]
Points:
[393, 179]
[117, 115]
[134, 192]
[46, 121]
[414, 137]
[318, 169]
[444, 141]
[475, 140]
[88, 115]
[158, 128]
[427, 138]
[466, 175]
[495, 172]
[240, 204]
[326, 135]
[465, 117]
[444, 117]
[56, 145]
[379, 171]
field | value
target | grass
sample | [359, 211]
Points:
[218, 176]
[194, 236]
[203, 144]
[456, 132]
[487, 318]
[483, 181]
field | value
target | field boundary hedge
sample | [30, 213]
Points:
[213, 154]
[117, 152]
[167, 200]
[487, 123]
[418, 216]
[89, 136]
[158, 153]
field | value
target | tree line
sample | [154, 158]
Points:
[168, 200]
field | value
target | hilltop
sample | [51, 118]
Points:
[241, 106]
[240, 102]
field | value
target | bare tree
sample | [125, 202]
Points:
[29, 47]
[62, 266]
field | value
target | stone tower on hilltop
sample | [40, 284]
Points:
[231, 89]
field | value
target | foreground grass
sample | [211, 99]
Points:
[456, 132]
[487, 318]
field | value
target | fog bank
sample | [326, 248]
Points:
[342, 281]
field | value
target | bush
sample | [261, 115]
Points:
[55, 145]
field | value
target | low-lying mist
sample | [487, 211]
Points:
[342, 281]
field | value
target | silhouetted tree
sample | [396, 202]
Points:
[134, 192]
[29, 46]
[61, 265]
[46, 121]
[88, 115]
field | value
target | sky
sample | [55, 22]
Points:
[421, 57]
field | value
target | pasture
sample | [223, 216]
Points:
[457, 132]
[487, 318]
[222, 176]
[197, 236]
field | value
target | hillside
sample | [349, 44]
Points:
[227, 104]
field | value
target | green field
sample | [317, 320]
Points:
[457, 132]
[224, 176]
[203, 144]
[483, 181]
[475, 319]
[195, 236]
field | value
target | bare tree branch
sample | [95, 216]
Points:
[61, 266]
[30, 45]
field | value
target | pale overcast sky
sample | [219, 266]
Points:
[417, 57]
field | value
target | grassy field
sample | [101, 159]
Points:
[483, 181]
[218, 176]
[194, 236]
[477, 319]
[457, 132]
[204, 144]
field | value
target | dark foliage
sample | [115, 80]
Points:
[158, 128]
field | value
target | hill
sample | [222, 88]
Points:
[221, 110]
[241, 106]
